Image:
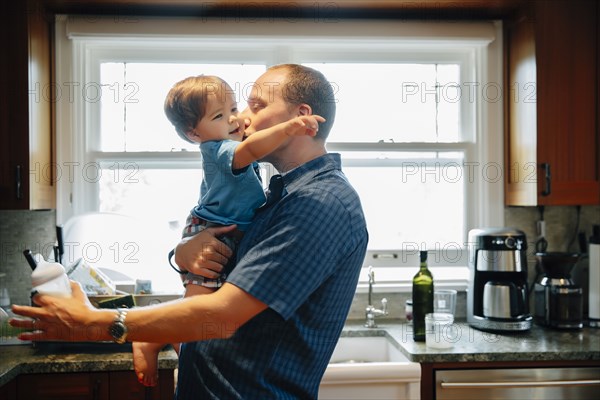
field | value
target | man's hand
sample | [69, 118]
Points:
[60, 318]
[203, 254]
[304, 125]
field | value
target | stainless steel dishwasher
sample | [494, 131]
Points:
[518, 383]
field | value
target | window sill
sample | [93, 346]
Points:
[399, 280]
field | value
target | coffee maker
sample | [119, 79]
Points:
[558, 301]
[497, 298]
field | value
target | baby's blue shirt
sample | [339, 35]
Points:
[227, 197]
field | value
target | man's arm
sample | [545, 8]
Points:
[215, 315]
[263, 142]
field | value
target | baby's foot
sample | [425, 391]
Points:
[145, 362]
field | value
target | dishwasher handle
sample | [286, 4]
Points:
[472, 385]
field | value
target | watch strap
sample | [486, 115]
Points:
[118, 329]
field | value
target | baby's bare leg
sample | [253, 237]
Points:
[145, 355]
[145, 362]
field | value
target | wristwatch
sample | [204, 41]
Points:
[118, 330]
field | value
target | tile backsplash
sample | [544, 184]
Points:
[35, 230]
[561, 224]
[561, 228]
[20, 230]
[561, 231]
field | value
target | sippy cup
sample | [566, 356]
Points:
[50, 278]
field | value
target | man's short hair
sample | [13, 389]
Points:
[309, 86]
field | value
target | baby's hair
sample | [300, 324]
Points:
[185, 104]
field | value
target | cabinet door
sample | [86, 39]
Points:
[517, 383]
[67, 386]
[113, 385]
[567, 88]
[26, 164]
[14, 139]
[553, 146]
[124, 385]
[9, 391]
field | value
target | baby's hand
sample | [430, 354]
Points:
[304, 125]
[243, 123]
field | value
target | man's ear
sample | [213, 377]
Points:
[304, 109]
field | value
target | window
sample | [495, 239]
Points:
[418, 122]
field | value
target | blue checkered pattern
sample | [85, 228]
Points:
[301, 256]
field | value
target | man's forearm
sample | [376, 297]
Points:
[259, 145]
[184, 320]
[194, 318]
[210, 316]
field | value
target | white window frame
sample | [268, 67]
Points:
[82, 43]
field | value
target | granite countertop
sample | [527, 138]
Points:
[71, 357]
[537, 344]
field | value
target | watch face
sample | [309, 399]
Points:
[117, 330]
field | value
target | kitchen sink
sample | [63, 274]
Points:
[370, 367]
[366, 350]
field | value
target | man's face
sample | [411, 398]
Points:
[266, 106]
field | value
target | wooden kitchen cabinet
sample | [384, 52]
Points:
[9, 391]
[113, 385]
[552, 136]
[27, 100]
[72, 386]
[124, 385]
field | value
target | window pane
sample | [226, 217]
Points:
[449, 96]
[133, 94]
[165, 194]
[160, 197]
[395, 102]
[415, 202]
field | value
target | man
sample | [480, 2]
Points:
[285, 303]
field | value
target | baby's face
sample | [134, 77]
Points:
[220, 121]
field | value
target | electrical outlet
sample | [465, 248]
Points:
[541, 228]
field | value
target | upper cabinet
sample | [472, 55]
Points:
[26, 154]
[552, 134]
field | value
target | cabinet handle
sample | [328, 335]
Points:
[97, 389]
[18, 183]
[548, 180]
[471, 385]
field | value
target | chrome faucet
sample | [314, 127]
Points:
[371, 312]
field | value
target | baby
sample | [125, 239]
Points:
[203, 110]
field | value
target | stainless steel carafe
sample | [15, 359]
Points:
[503, 300]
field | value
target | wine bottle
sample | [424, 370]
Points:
[422, 297]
